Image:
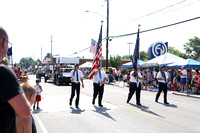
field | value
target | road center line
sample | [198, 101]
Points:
[141, 112]
[44, 130]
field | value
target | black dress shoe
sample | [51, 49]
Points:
[93, 102]
[166, 103]
[100, 105]
[77, 107]
[70, 103]
[127, 101]
[156, 101]
[138, 103]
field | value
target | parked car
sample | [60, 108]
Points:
[62, 76]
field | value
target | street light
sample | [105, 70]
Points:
[107, 34]
[129, 47]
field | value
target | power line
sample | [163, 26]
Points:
[155, 28]
[154, 12]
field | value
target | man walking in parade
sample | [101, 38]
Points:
[162, 78]
[135, 85]
[99, 79]
[77, 76]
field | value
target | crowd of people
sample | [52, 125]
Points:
[181, 80]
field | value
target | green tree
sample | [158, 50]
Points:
[143, 55]
[26, 62]
[115, 61]
[192, 48]
[174, 51]
[48, 55]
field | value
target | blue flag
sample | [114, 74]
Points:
[136, 52]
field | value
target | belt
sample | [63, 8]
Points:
[76, 82]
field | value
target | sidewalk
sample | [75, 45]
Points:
[122, 85]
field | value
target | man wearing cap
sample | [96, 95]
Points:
[135, 85]
[162, 78]
[99, 79]
[77, 76]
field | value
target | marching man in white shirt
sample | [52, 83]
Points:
[77, 76]
[162, 78]
[99, 79]
[135, 85]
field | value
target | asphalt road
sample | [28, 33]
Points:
[56, 116]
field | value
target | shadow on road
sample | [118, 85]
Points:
[169, 105]
[102, 111]
[76, 111]
[37, 111]
[146, 109]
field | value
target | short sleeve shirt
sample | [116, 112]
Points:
[9, 88]
[160, 76]
[74, 75]
[96, 78]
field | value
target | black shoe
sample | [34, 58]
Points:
[77, 107]
[127, 101]
[100, 105]
[70, 103]
[38, 108]
[166, 103]
[156, 101]
[33, 107]
[139, 104]
[93, 102]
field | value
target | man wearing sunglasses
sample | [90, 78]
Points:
[12, 99]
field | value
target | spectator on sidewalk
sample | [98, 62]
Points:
[12, 99]
[183, 75]
[196, 75]
[38, 92]
[27, 125]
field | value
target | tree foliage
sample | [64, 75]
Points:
[115, 61]
[192, 48]
[174, 51]
[27, 62]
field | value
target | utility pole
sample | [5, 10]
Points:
[129, 48]
[107, 38]
[41, 53]
[51, 46]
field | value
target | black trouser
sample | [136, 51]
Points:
[98, 90]
[132, 88]
[77, 88]
[162, 87]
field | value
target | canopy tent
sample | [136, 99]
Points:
[130, 64]
[186, 63]
[164, 59]
[87, 64]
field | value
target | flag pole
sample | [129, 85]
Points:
[101, 56]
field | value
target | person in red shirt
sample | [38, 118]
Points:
[196, 75]
[15, 69]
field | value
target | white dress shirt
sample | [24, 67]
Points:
[134, 79]
[160, 76]
[96, 78]
[80, 75]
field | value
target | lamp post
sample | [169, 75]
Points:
[107, 37]
[129, 48]
[107, 34]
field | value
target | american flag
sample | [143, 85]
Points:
[97, 55]
[93, 46]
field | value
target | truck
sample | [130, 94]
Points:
[64, 66]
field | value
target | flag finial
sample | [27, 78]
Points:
[139, 26]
